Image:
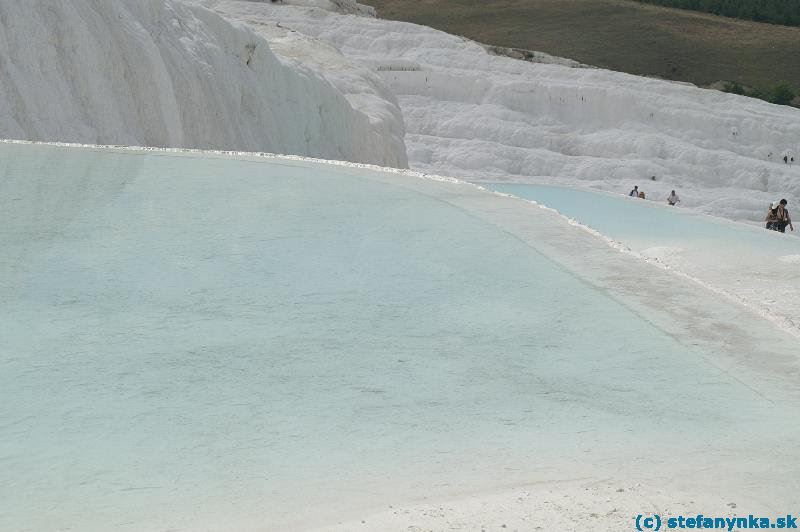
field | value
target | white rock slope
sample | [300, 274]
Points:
[163, 73]
[478, 116]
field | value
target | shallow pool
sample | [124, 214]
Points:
[203, 341]
[747, 263]
[643, 222]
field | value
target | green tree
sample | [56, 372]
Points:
[734, 87]
[785, 12]
[782, 94]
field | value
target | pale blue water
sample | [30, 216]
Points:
[191, 341]
[642, 223]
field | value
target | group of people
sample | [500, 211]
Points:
[673, 198]
[778, 217]
[636, 193]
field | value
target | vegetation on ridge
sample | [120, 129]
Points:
[786, 12]
[624, 35]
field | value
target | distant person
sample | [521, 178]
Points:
[635, 192]
[772, 217]
[641, 195]
[786, 159]
[783, 217]
[673, 198]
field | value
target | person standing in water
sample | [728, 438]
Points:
[673, 198]
[783, 217]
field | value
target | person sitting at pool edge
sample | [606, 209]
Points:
[673, 198]
[641, 194]
[772, 218]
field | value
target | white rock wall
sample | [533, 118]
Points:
[164, 73]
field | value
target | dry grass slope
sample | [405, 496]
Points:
[621, 35]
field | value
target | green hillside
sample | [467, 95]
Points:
[622, 35]
[786, 12]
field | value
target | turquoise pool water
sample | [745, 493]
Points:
[192, 341]
[644, 223]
